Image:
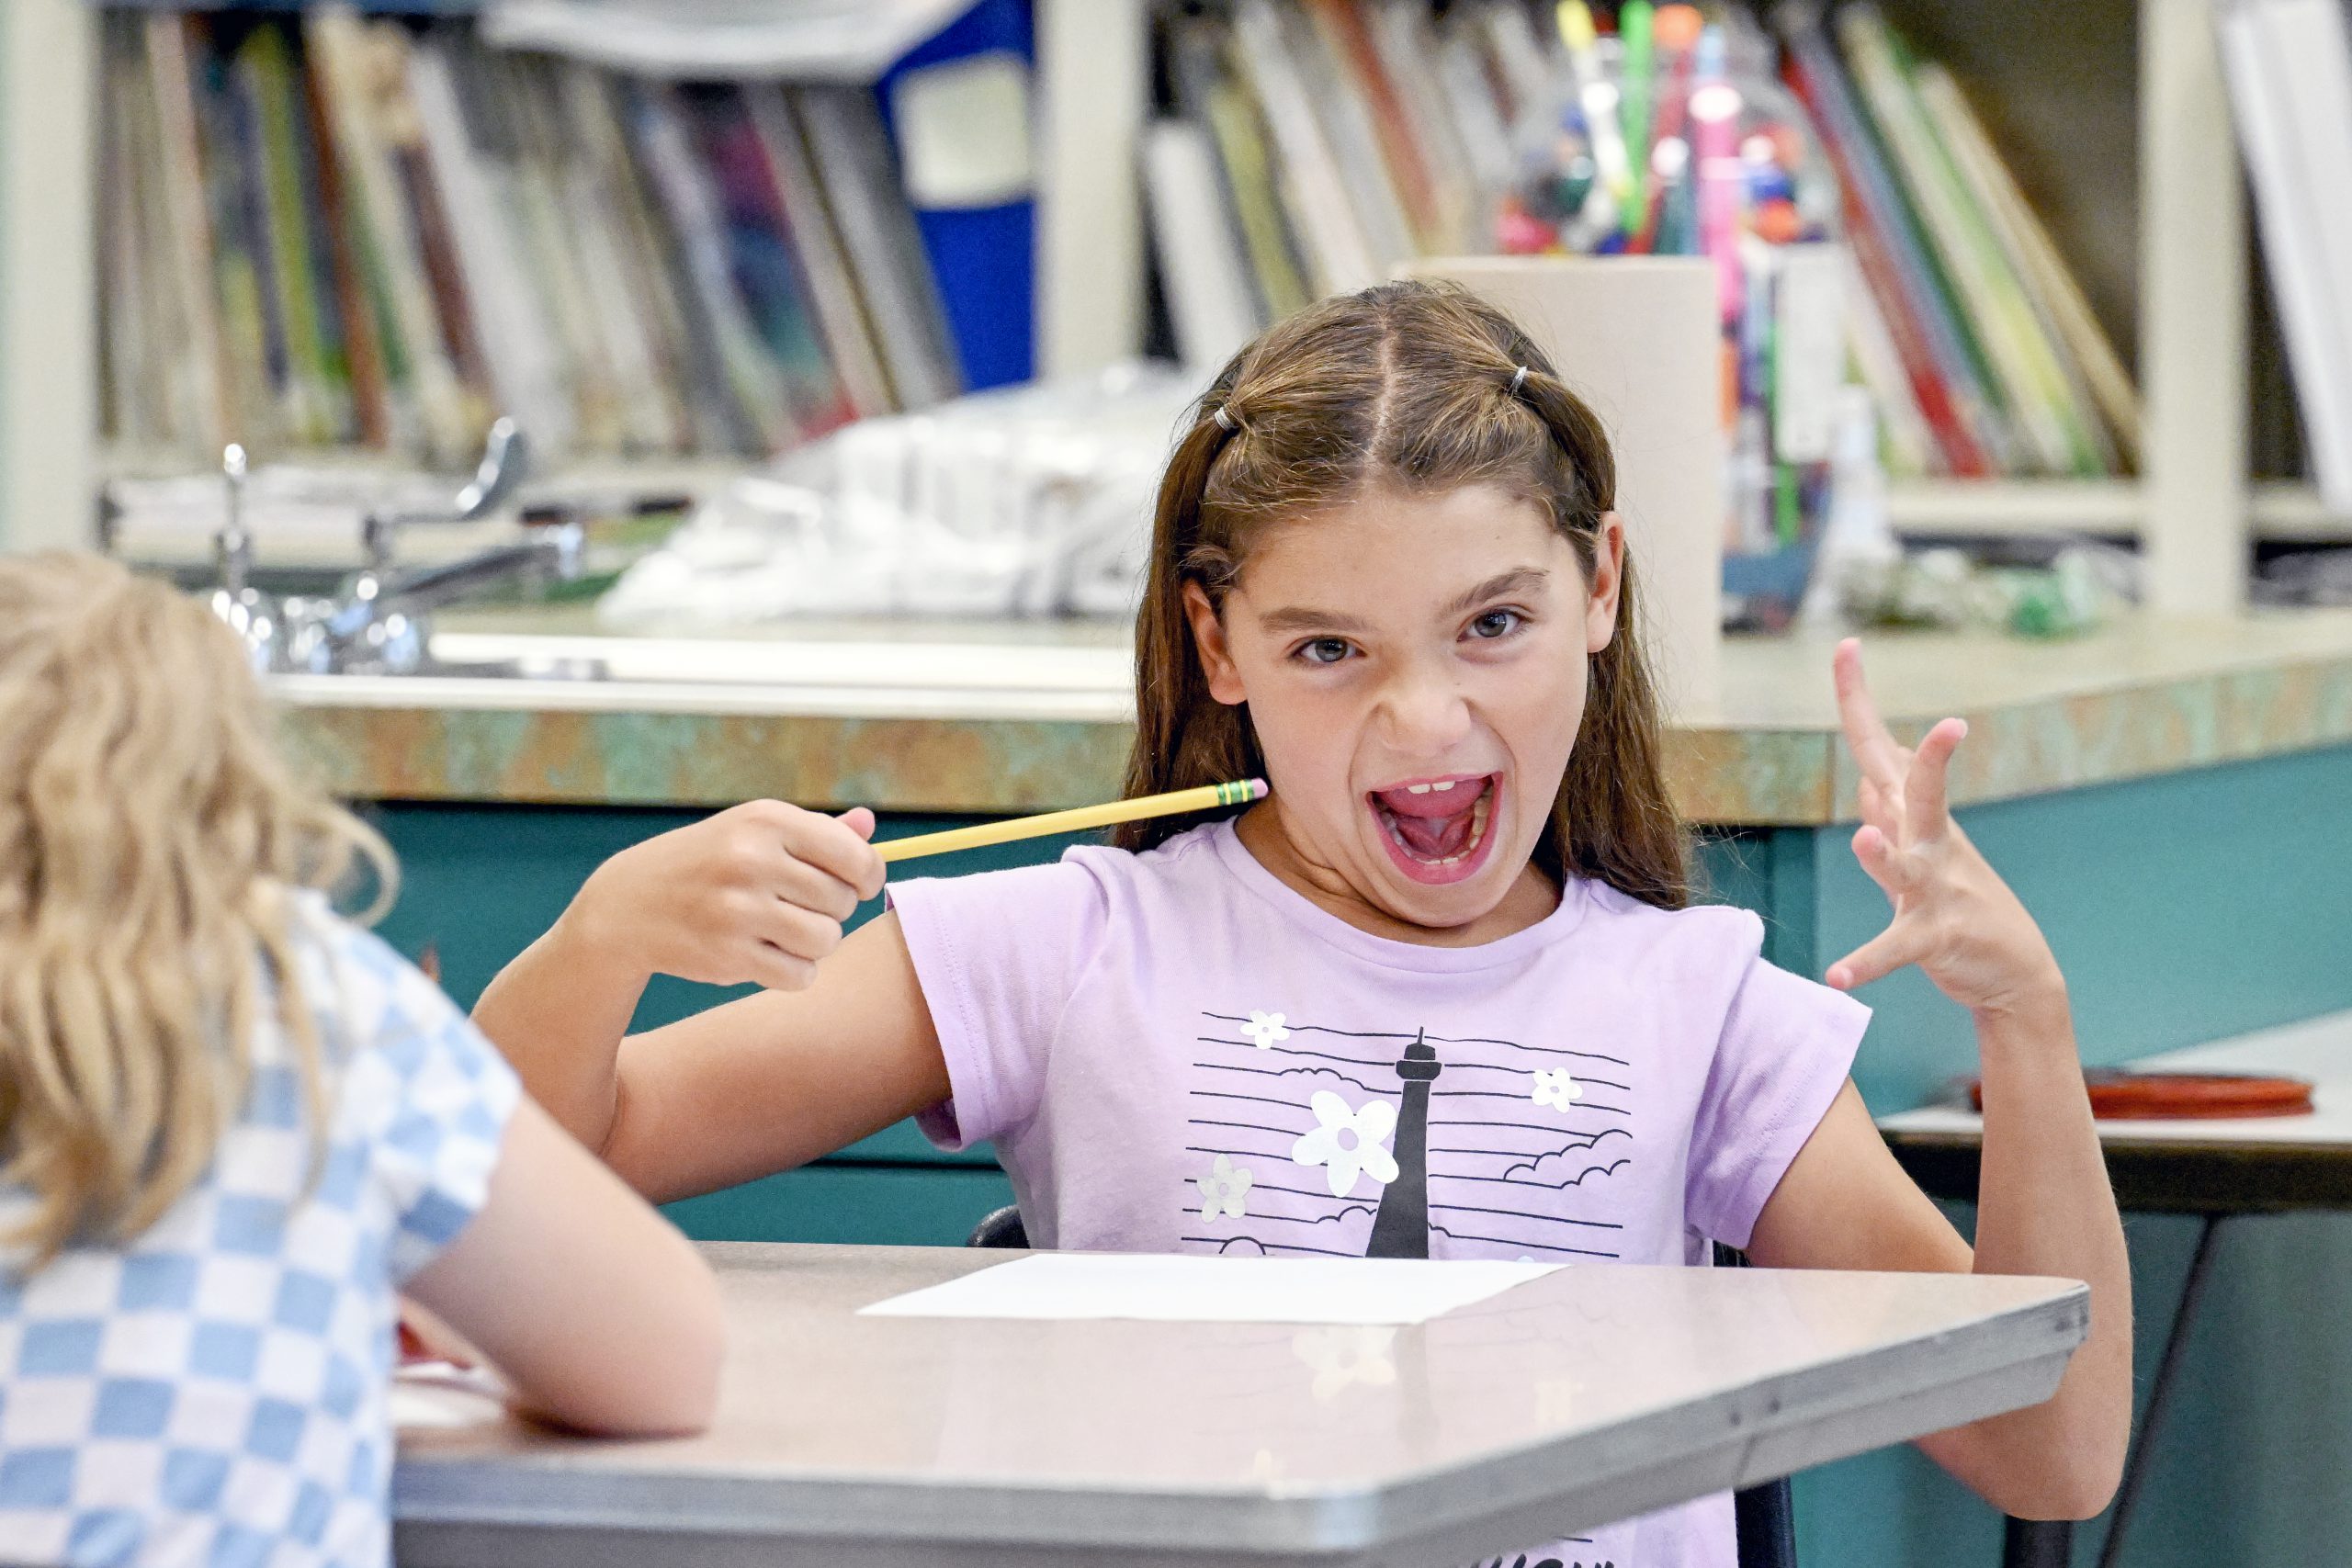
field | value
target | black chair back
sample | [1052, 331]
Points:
[1764, 1515]
[1002, 1228]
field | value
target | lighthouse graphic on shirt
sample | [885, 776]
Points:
[1309, 1138]
[1312, 1139]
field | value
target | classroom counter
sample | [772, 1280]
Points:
[996, 718]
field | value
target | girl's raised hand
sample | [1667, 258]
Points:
[756, 894]
[1953, 915]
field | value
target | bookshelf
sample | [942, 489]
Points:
[1086, 103]
[2193, 508]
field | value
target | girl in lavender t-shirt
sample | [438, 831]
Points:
[1443, 995]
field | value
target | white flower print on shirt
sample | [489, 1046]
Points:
[1556, 1088]
[1224, 1188]
[1265, 1028]
[1348, 1142]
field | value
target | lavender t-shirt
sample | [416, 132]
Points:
[1175, 1052]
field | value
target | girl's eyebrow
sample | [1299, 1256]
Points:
[1519, 580]
[1305, 618]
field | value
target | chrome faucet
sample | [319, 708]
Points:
[380, 622]
[252, 617]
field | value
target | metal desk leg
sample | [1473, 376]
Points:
[2046, 1543]
[2037, 1544]
[2135, 1467]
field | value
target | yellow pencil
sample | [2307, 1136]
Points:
[1205, 799]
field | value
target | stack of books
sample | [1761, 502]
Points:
[1331, 140]
[331, 231]
[2288, 65]
[1976, 341]
[1311, 146]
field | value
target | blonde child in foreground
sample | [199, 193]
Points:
[1444, 994]
[233, 1124]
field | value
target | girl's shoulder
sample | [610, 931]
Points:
[1095, 877]
[1712, 934]
[383, 1026]
[1190, 857]
[356, 984]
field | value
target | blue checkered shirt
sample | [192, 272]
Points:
[214, 1394]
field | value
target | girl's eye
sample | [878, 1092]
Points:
[1323, 650]
[1495, 624]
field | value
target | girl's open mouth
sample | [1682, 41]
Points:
[1437, 830]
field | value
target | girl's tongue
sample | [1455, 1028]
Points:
[1436, 822]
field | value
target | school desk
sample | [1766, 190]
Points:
[1586, 1395]
[2212, 1169]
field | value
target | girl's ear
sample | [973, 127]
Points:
[1216, 657]
[1608, 577]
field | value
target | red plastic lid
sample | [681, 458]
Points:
[2156, 1097]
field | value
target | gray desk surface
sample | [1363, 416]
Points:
[2190, 1166]
[1583, 1397]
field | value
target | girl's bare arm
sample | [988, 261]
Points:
[598, 1312]
[840, 1045]
[2044, 1203]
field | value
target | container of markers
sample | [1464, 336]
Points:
[1673, 137]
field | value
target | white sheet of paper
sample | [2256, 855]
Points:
[1187, 1288]
[434, 1393]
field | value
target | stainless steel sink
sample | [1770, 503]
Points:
[860, 663]
[1087, 679]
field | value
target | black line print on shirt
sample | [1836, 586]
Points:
[1433, 1039]
[1340, 1147]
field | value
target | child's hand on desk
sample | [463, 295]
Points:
[1953, 915]
[424, 1337]
[756, 894]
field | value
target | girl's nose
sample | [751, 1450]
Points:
[1425, 711]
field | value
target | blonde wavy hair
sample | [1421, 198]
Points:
[151, 838]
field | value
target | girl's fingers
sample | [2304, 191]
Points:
[1896, 871]
[1890, 950]
[1926, 798]
[774, 969]
[1880, 810]
[799, 932]
[811, 887]
[834, 844]
[1866, 736]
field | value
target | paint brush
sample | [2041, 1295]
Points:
[1208, 797]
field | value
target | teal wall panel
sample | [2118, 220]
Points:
[838, 1201]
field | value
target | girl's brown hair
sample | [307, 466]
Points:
[1407, 385]
[150, 842]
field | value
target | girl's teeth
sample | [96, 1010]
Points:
[1442, 787]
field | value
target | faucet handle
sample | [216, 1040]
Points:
[252, 616]
[505, 461]
[234, 544]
